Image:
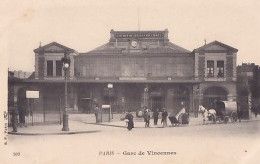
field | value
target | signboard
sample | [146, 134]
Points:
[32, 94]
[105, 106]
[132, 78]
[140, 35]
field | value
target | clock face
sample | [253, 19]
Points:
[134, 43]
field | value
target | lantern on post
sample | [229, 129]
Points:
[110, 87]
[66, 64]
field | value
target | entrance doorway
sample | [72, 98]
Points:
[86, 105]
[214, 93]
[157, 103]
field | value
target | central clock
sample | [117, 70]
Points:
[134, 43]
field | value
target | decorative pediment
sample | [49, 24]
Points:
[215, 46]
[53, 47]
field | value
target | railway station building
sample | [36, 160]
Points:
[145, 69]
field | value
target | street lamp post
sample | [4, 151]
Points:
[145, 96]
[199, 95]
[110, 87]
[66, 64]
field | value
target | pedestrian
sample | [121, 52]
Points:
[97, 112]
[254, 110]
[130, 120]
[164, 117]
[146, 117]
[155, 116]
[239, 112]
[22, 112]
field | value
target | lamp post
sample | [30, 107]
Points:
[110, 87]
[145, 96]
[198, 91]
[66, 64]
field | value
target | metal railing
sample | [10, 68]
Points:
[39, 117]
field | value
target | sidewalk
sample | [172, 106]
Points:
[55, 129]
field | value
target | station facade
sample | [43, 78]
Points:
[145, 69]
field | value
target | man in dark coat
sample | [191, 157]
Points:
[147, 117]
[164, 117]
[22, 112]
[254, 109]
[97, 114]
[155, 116]
[130, 118]
[239, 112]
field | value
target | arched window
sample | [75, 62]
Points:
[214, 93]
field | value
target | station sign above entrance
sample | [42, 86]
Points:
[139, 35]
[117, 36]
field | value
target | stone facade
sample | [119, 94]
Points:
[215, 85]
[145, 68]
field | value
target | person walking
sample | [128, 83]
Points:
[155, 116]
[130, 122]
[239, 112]
[97, 112]
[22, 111]
[254, 110]
[146, 117]
[164, 117]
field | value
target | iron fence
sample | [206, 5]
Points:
[39, 117]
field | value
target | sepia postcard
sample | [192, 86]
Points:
[130, 81]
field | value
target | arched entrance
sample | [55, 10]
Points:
[157, 98]
[85, 99]
[213, 93]
[181, 94]
[132, 97]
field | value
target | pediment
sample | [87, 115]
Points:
[215, 47]
[54, 48]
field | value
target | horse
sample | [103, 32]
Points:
[207, 113]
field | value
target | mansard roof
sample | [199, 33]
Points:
[150, 42]
[53, 47]
[169, 47]
[215, 45]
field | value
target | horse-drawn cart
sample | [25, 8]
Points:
[226, 110]
[222, 112]
[182, 117]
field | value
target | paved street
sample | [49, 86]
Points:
[218, 143]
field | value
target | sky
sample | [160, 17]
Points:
[85, 25]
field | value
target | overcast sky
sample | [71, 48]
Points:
[85, 25]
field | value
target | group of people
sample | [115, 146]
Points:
[146, 115]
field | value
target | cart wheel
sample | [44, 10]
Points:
[234, 116]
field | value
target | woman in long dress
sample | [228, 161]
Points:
[130, 118]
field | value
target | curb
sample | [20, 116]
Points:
[60, 133]
[189, 125]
